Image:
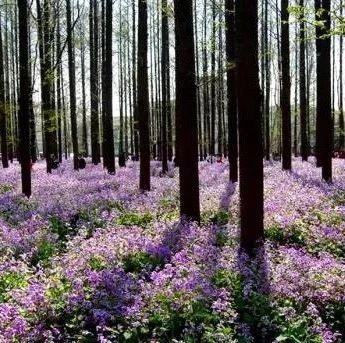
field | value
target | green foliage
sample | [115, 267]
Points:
[135, 219]
[298, 331]
[224, 278]
[222, 238]
[114, 205]
[97, 263]
[169, 322]
[9, 281]
[140, 261]
[5, 188]
[60, 228]
[220, 218]
[295, 234]
[329, 219]
[45, 250]
[334, 315]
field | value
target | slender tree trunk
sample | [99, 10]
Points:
[250, 133]
[59, 90]
[213, 83]
[108, 89]
[143, 98]
[3, 114]
[286, 85]
[268, 88]
[341, 146]
[95, 139]
[186, 110]
[324, 95]
[165, 100]
[83, 81]
[134, 80]
[72, 89]
[302, 87]
[24, 100]
[231, 88]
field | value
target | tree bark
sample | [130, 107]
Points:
[143, 98]
[250, 118]
[186, 110]
[24, 100]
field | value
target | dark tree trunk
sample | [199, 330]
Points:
[84, 125]
[72, 89]
[95, 140]
[268, 88]
[213, 82]
[134, 81]
[24, 100]
[186, 110]
[319, 95]
[286, 86]
[302, 82]
[231, 89]
[59, 90]
[165, 100]
[108, 131]
[324, 111]
[143, 98]
[3, 114]
[206, 100]
[250, 133]
[341, 103]
[46, 47]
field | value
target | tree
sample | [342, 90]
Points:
[249, 124]
[231, 88]
[143, 98]
[324, 111]
[286, 85]
[3, 115]
[72, 89]
[108, 132]
[45, 40]
[186, 110]
[24, 100]
[93, 26]
[341, 103]
[165, 84]
[302, 81]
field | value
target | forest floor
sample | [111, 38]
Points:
[91, 259]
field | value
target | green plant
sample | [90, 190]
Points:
[135, 219]
[97, 263]
[139, 261]
[4, 188]
[9, 281]
[45, 250]
[220, 218]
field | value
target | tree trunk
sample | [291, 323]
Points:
[302, 87]
[3, 114]
[72, 89]
[186, 110]
[143, 99]
[24, 100]
[286, 86]
[341, 78]
[250, 133]
[95, 139]
[165, 100]
[231, 89]
[324, 111]
[108, 131]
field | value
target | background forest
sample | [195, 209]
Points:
[172, 171]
